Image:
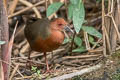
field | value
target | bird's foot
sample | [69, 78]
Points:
[48, 71]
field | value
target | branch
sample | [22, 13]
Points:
[83, 71]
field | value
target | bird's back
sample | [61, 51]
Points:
[37, 28]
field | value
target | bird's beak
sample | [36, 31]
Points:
[67, 29]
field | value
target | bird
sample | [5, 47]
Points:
[45, 35]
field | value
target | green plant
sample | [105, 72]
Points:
[35, 70]
[53, 8]
[91, 32]
[76, 13]
[78, 41]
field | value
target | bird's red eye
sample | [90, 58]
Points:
[60, 24]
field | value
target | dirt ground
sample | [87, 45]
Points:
[109, 71]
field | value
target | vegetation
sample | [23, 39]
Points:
[95, 24]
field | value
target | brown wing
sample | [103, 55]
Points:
[40, 27]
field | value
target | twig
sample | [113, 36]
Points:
[72, 42]
[99, 40]
[112, 7]
[14, 71]
[25, 2]
[26, 57]
[86, 41]
[80, 56]
[103, 26]
[23, 10]
[109, 2]
[5, 55]
[1, 71]
[118, 3]
[25, 77]
[83, 71]
[10, 45]
[12, 7]
[96, 50]
[79, 62]
[116, 28]
[108, 39]
[46, 5]
[5, 2]
[25, 47]
[20, 30]
[70, 64]
[20, 73]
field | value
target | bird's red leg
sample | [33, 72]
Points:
[46, 61]
[28, 64]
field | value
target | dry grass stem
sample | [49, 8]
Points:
[26, 9]
[34, 8]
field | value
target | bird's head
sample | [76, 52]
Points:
[61, 25]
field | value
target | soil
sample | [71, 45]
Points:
[109, 71]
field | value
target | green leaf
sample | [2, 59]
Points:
[81, 49]
[92, 31]
[78, 17]
[2, 42]
[38, 72]
[34, 68]
[70, 11]
[78, 41]
[53, 8]
[66, 40]
[91, 40]
[74, 1]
